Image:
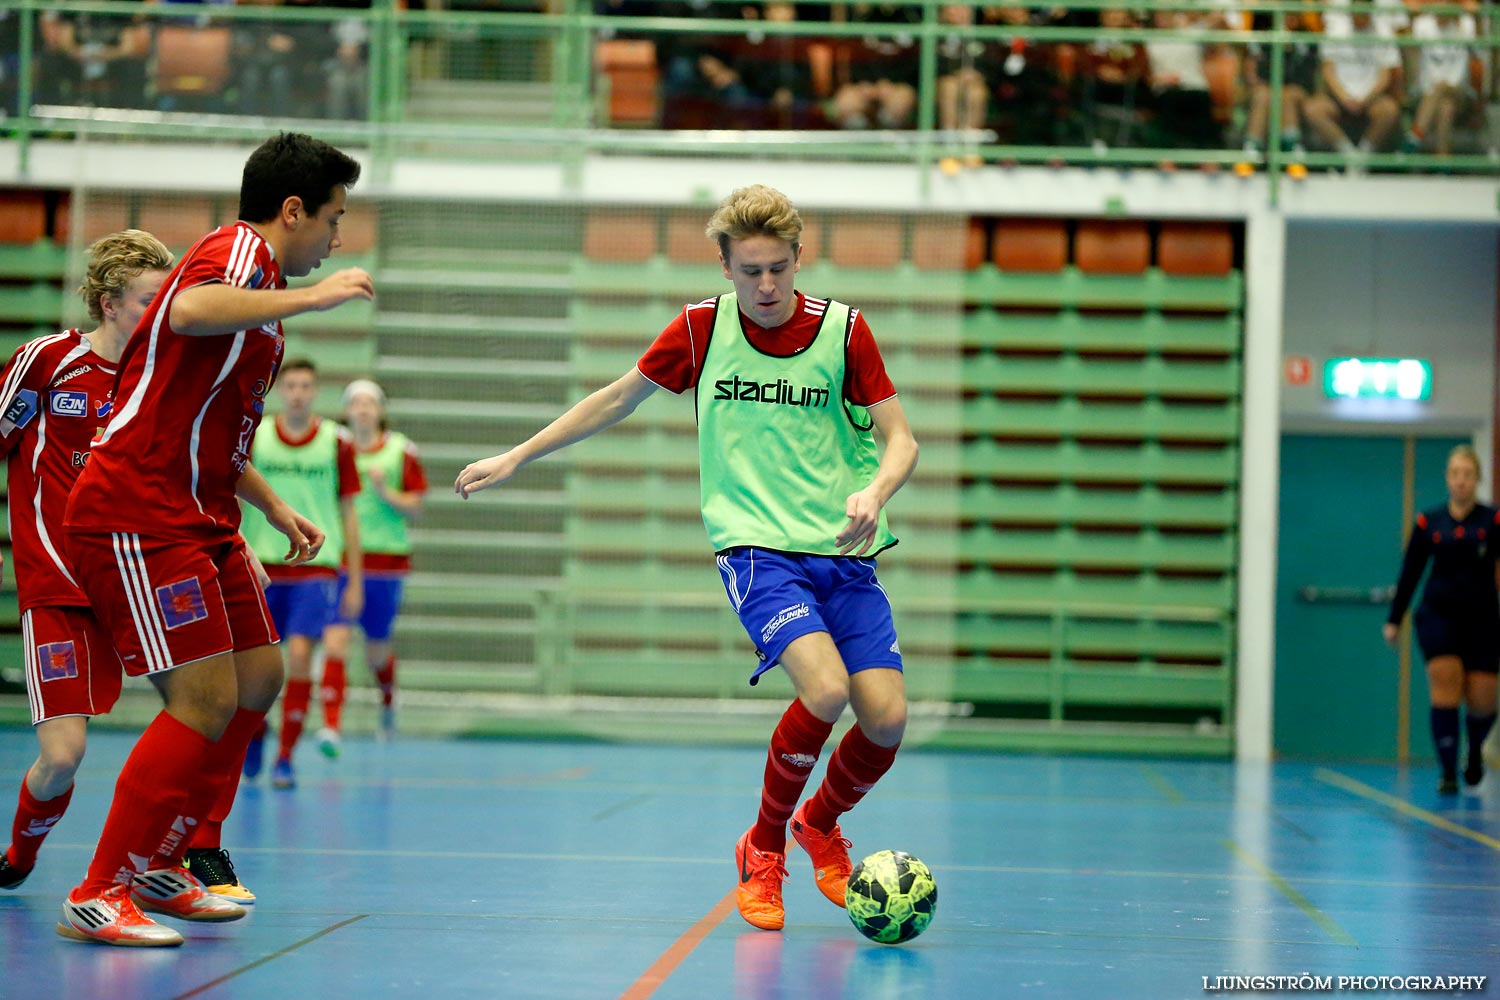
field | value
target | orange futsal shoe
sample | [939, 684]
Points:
[759, 894]
[175, 892]
[113, 918]
[829, 853]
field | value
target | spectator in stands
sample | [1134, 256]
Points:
[1113, 70]
[777, 70]
[281, 65]
[1299, 78]
[1179, 87]
[93, 59]
[10, 60]
[876, 75]
[1358, 112]
[1026, 87]
[1442, 79]
[965, 65]
[346, 72]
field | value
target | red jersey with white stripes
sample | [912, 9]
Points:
[54, 397]
[185, 408]
[675, 360]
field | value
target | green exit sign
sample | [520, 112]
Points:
[1377, 378]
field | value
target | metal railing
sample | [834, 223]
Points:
[466, 82]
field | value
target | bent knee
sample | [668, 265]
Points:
[59, 764]
[885, 728]
[827, 701]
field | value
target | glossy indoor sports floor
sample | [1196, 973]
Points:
[442, 869]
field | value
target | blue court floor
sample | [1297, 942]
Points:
[443, 869]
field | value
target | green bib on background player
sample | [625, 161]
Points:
[382, 529]
[779, 448]
[307, 478]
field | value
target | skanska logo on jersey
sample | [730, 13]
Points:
[81, 369]
[779, 392]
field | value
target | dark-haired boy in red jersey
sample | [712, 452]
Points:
[152, 531]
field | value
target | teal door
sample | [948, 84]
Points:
[1341, 525]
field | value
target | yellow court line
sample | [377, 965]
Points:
[1161, 784]
[1317, 916]
[1355, 787]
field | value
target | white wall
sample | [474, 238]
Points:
[1393, 290]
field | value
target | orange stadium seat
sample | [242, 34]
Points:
[192, 61]
[23, 216]
[622, 234]
[686, 243]
[177, 220]
[358, 230]
[101, 215]
[976, 244]
[866, 241]
[1205, 248]
[1112, 247]
[942, 244]
[1030, 244]
[630, 67]
[62, 220]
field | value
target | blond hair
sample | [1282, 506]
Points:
[114, 260]
[1467, 452]
[754, 211]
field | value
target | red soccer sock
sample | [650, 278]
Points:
[332, 692]
[854, 767]
[385, 676]
[227, 763]
[34, 820]
[149, 811]
[294, 704]
[795, 746]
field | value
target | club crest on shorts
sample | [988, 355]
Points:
[182, 602]
[58, 661]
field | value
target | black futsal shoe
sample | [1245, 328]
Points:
[1448, 784]
[1474, 773]
[10, 875]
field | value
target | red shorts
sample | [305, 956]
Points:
[71, 665]
[167, 602]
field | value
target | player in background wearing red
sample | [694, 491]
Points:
[789, 390]
[55, 397]
[310, 463]
[152, 531]
[391, 495]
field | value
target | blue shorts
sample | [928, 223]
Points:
[781, 596]
[302, 607]
[382, 602]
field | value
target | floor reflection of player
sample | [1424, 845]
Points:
[1458, 618]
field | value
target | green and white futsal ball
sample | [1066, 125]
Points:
[891, 897]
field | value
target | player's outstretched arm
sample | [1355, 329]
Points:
[586, 418]
[215, 309]
[898, 458]
[305, 537]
